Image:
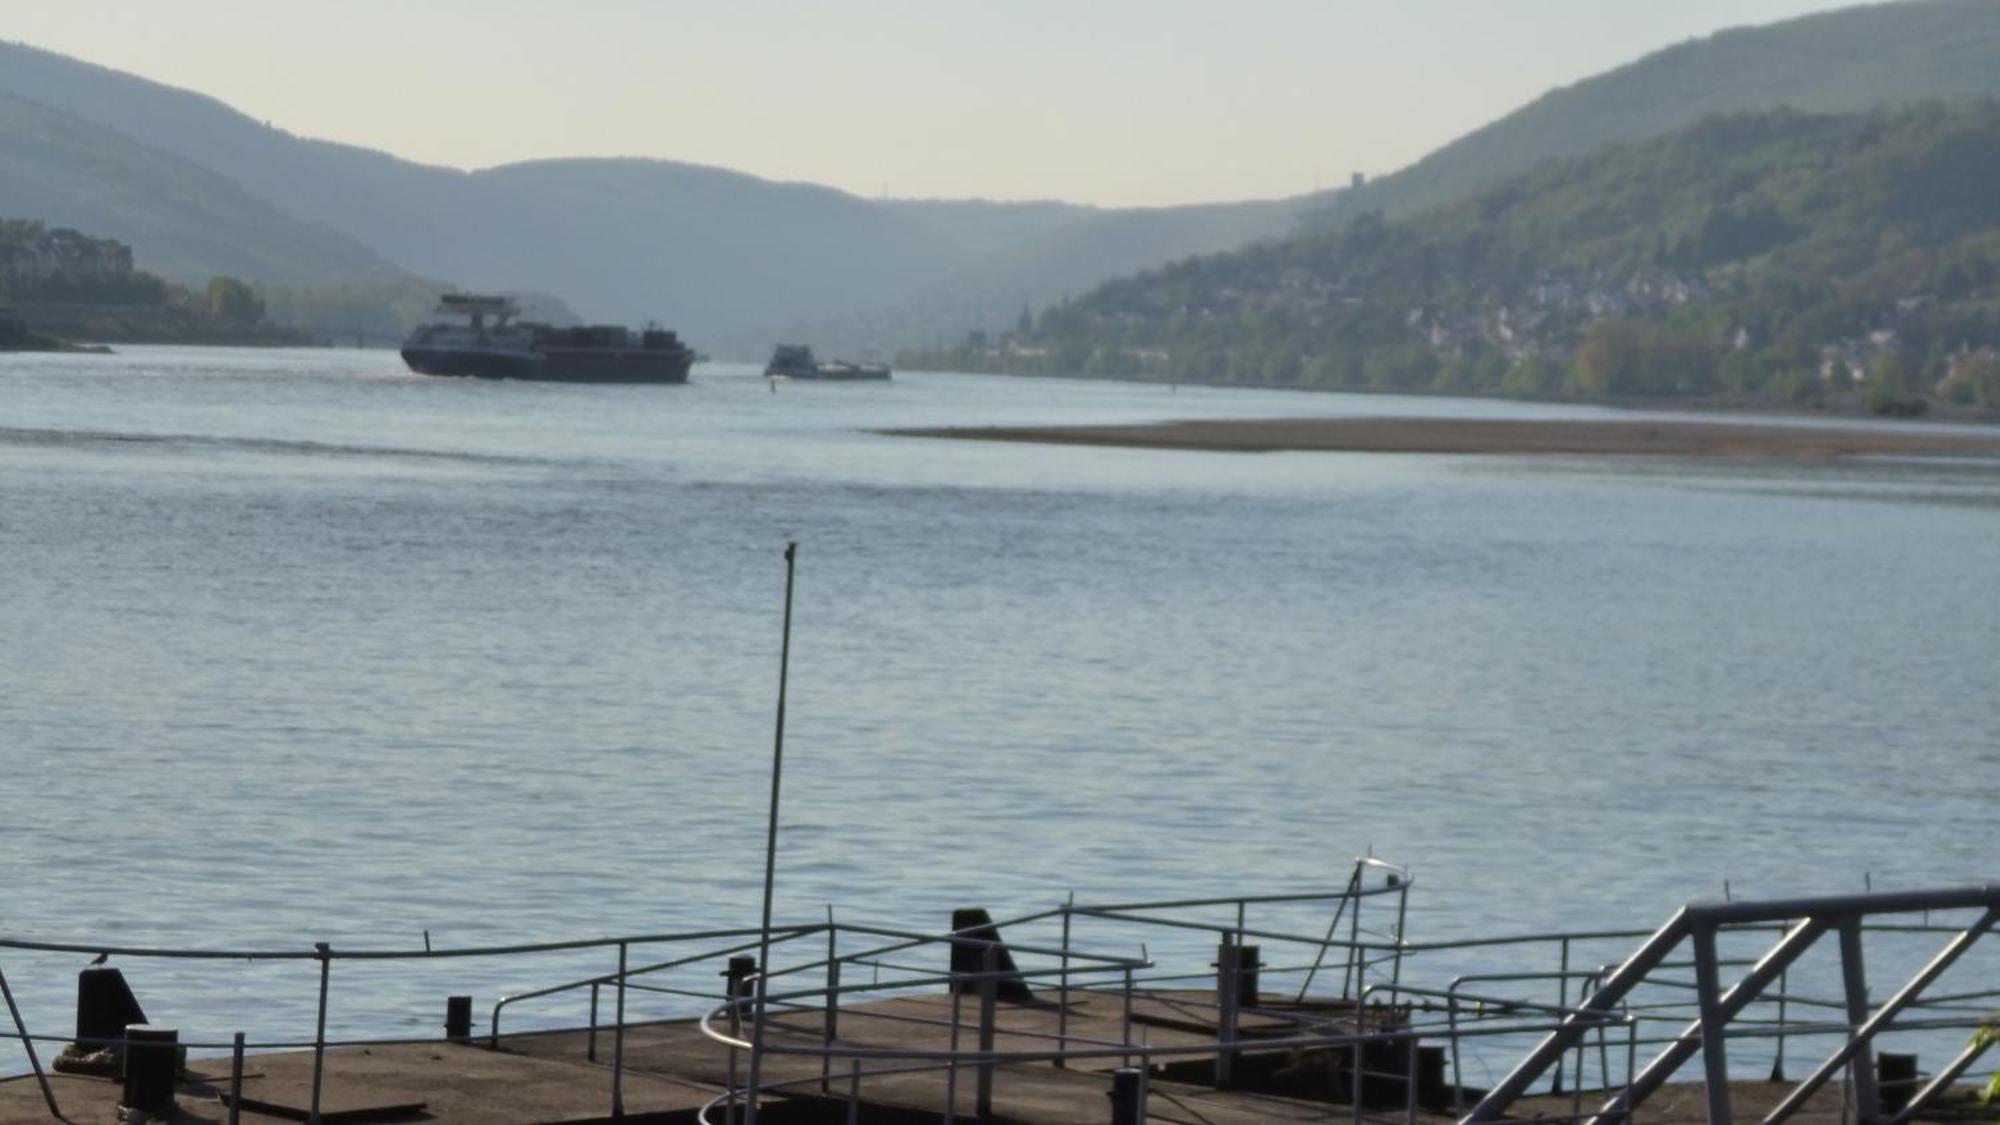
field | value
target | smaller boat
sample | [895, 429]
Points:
[795, 361]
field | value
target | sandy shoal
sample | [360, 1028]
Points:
[1483, 436]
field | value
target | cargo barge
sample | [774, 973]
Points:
[479, 336]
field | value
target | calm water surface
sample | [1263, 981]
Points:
[300, 647]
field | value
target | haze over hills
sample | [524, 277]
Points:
[731, 257]
[735, 261]
[192, 222]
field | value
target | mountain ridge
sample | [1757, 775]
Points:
[737, 261]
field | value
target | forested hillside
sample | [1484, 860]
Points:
[1846, 61]
[1778, 256]
[736, 261]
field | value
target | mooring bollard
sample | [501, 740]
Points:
[1247, 964]
[1431, 1085]
[1128, 1096]
[1895, 1081]
[458, 1019]
[105, 1007]
[236, 1081]
[152, 1051]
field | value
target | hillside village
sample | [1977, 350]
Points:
[1836, 260]
[61, 284]
[34, 258]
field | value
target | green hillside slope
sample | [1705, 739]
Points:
[1845, 61]
[1778, 256]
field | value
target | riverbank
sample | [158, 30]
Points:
[1639, 437]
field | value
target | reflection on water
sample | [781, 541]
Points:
[303, 648]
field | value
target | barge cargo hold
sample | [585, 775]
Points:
[479, 336]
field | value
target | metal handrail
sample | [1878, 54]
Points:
[1910, 1012]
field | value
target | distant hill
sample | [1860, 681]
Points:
[189, 223]
[731, 258]
[1778, 256]
[736, 261]
[1835, 62]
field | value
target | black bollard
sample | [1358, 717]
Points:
[152, 1051]
[1247, 964]
[738, 975]
[1128, 1097]
[1433, 1092]
[976, 924]
[1896, 1081]
[458, 1018]
[1245, 961]
[105, 1006]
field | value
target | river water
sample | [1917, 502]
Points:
[299, 647]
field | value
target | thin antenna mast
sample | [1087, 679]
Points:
[771, 847]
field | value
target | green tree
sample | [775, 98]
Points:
[233, 301]
[1889, 388]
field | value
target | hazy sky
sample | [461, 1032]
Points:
[1103, 101]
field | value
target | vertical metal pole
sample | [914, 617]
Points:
[1714, 1058]
[618, 1042]
[951, 1067]
[1355, 958]
[1631, 1066]
[1226, 965]
[854, 1092]
[1319, 958]
[1145, 1087]
[771, 846]
[323, 952]
[1125, 1036]
[989, 995]
[236, 1081]
[1778, 1063]
[733, 991]
[1062, 994]
[590, 1050]
[1402, 919]
[1562, 1003]
[831, 1029]
[1576, 1086]
[1457, 1075]
[1603, 1037]
[1861, 1063]
[28, 1044]
[1410, 1085]
[1354, 1082]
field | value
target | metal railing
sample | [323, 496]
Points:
[1665, 998]
[1602, 1025]
[324, 955]
[1699, 927]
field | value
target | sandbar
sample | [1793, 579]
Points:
[1512, 437]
